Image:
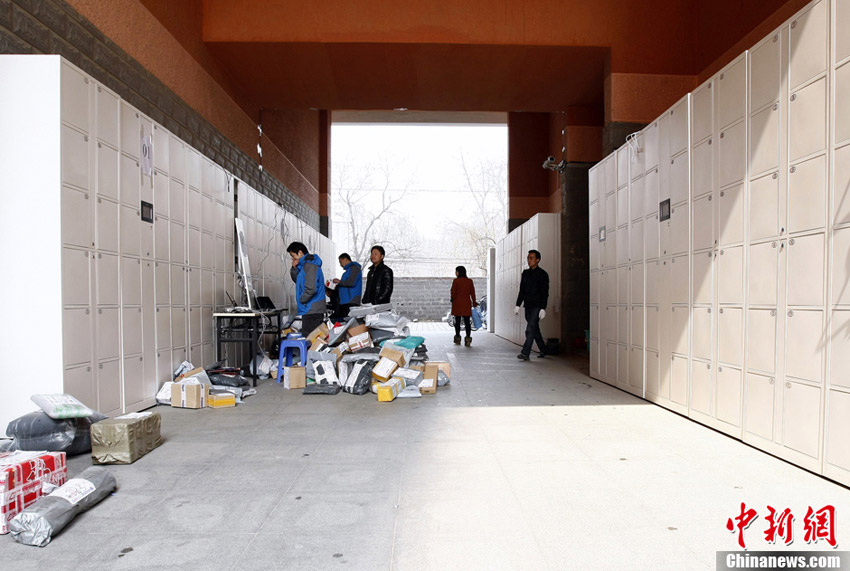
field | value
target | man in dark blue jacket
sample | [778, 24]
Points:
[306, 272]
[534, 294]
[350, 286]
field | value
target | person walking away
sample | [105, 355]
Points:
[350, 286]
[534, 295]
[379, 280]
[463, 300]
[306, 272]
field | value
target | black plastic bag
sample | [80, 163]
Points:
[363, 381]
[229, 380]
[37, 431]
[321, 389]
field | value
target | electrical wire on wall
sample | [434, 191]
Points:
[634, 146]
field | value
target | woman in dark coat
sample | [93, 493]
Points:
[463, 300]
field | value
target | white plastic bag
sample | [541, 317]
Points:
[61, 406]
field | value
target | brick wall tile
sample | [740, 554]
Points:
[30, 30]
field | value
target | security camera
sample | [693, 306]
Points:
[550, 164]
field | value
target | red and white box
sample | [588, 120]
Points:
[22, 477]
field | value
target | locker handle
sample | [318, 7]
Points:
[100, 366]
[773, 313]
[721, 252]
[721, 76]
[721, 310]
[141, 358]
[775, 106]
[719, 369]
[772, 380]
[793, 24]
[722, 193]
[782, 231]
[787, 385]
[791, 242]
[790, 313]
[86, 138]
[794, 97]
[709, 141]
[88, 369]
[708, 365]
[140, 310]
[99, 145]
[709, 310]
[87, 311]
[773, 244]
[99, 311]
[774, 176]
[722, 134]
[709, 198]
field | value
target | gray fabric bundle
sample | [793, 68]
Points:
[37, 524]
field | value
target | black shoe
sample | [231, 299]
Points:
[522, 356]
[541, 355]
[457, 339]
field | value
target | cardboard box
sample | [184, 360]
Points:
[294, 377]
[387, 392]
[318, 336]
[410, 376]
[394, 355]
[360, 341]
[444, 366]
[428, 386]
[125, 439]
[222, 400]
[198, 373]
[356, 330]
[340, 350]
[384, 369]
[188, 394]
[22, 477]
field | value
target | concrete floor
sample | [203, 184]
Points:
[515, 466]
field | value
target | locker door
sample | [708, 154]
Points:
[761, 340]
[194, 253]
[147, 239]
[162, 277]
[678, 125]
[841, 173]
[801, 421]
[807, 194]
[759, 405]
[178, 288]
[623, 206]
[208, 216]
[163, 328]
[611, 214]
[636, 241]
[839, 355]
[732, 154]
[807, 121]
[178, 326]
[622, 365]
[593, 184]
[651, 236]
[679, 280]
[764, 140]
[679, 380]
[701, 111]
[75, 97]
[808, 38]
[79, 384]
[703, 282]
[636, 275]
[652, 315]
[594, 321]
[623, 156]
[208, 252]
[622, 245]
[837, 447]
[194, 286]
[623, 324]
[75, 277]
[109, 387]
[593, 217]
[106, 227]
[652, 381]
[679, 230]
[107, 116]
[701, 387]
[730, 215]
[176, 241]
[703, 168]
[703, 223]
[131, 330]
[763, 273]
[765, 72]
[131, 232]
[611, 286]
[133, 377]
[652, 277]
[107, 279]
[803, 351]
[160, 149]
[107, 172]
[76, 218]
[805, 270]
[650, 145]
[702, 333]
[841, 266]
[177, 201]
[162, 245]
[730, 338]
[160, 194]
[194, 172]
[679, 331]
[731, 93]
[651, 192]
[131, 281]
[177, 158]
[594, 254]
[636, 193]
[195, 336]
[610, 323]
[131, 140]
[764, 207]
[611, 362]
[594, 357]
[842, 101]
[730, 279]
[594, 287]
[107, 320]
[193, 207]
[636, 367]
[679, 187]
[637, 325]
[130, 181]
[624, 280]
[728, 398]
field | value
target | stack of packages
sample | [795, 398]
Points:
[196, 387]
[372, 351]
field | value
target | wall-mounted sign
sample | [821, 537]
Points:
[602, 233]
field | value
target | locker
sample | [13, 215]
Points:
[106, 228]
[193, 207]
[623, 206]
[178, 326]
[208, 218]
[841, 23]
[160, 149]
[805, 270]
[623, 324]
[763, 273]
[594, 287]
[177, 201]
[75, 277]
[178, 287]
[730, 215]
[177, 159]
[148, 286]
[162, 278]
[78, 381]
[194, 172]
[131, 237]
[196, 354]
[807, 121]
[650, 146]
[636, 192]
[652, 315]
[679, 243]
[702, 333]
[623, 161]
[593, 184]
[131, 281]
[75, 97]
[703, 223]
[131, 330]
[841, 266]
[220, 298]
[163, 328]
[637, 325]
[728, 399]
[636, 367]
[177, 239]
[764, 140]
[731, 93]
[730, 323]
[652, 236]
[610, 167]
[594, 358]
[616, 243]
[636, 275]
[207, 251]
[840, 350]
[109, 387]
[651, 192]
[679, 281]
[841, 174]
[838, 425]
[131, 131]
[594, 322]
[802, 418]
[703, 282]
[75, 158]
[652, 277]
[703, 168]
[679, 380]
[595, 262]
[194, 286]
[731, 155]
[133, 380]
[611, 362]
[765, 72]
[611, 214]
[808, 39]
[209, 353]
[622, 365]
[761, 340]
[702, 116]
[730, 275]
[764, 207]
[178, 355]
[652, 380]
[609, 324]
[195, 325]
[161, 192]
[701, 387]
[107, 279]
[107, 116]
[803, 350]
[610, 281]
[593, 219]
[194, 250]
[679, 329]
[636, 241]
[162, 244]
[130, 181]
[678, 127]
[841, 115]
[147, 239]
[107, 320]
[107, 172]
[759, 405]
[229, 224]
[679, 188]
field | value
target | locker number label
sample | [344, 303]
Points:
[147, 155]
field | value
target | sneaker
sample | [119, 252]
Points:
[522, 356]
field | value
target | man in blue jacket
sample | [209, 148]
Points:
[350, 286]
[306, 272]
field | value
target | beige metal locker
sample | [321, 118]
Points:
[636, 196]
[622, 365]
[195, 333]
[131, 281]
[193, 254]
[594, 321]
[79, 381]
[160, 149]
[679, 380]
[108, 376]
[161, 194]
[650, 146]
[841, 117]
[840, 349]
[652, 374]
[703, 279]
[679, 243]
[193, 208]
[802, 418]
[108, 270]
[730, 275]
[841, 185]
[701, 387]
[678, 126]
[702, 346]
[623, 206]
[759, 405]
[595, 262]
[702, 112]
[731, 154]
[131, 131]
[651, 233]
[637, 290]
[177, 159]
[702, 165]
[679, 179]
[611, 362]
[841, 266]
[107, 172]
[594, 357]
[730, 338]
[807, 121]
[207, 251]
[807, 195]
[679, 329]
[764, 207]
[177, 201]
[594, 286]
[731, 92]
[653, 273]
[764, 140]
[624, 281]
[162, 277]
[651, 192]
[805, 343]
[761, 340]
[106, 225]
[163, 328]
[131, 232]
[679, 281]
[178, 286]
[703, 223]
[636, 241]
[809, 35]
[837, 427]
[162, 242]
[622, 240]
[76, 218]
[178, 326]
[763, 273]
[728, 395]
[194, 285]
[130, 181]
[131, 330]
[623, 325]
[610, 248]
[76, 276]
[637, 315]
[107, 320]
[133, 380]
[765, 72]
[806, 270]
[177, 237]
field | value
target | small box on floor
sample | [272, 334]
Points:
[187, 394]
[22, 476]
[222, 399]
[359, 337]
[428, 386]
[125, 439]
[318, 336]
[384, 369]
[387, 392]
[294, 377]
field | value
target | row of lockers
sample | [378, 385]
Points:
[723, 298]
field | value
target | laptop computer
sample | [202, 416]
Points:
[264, 303]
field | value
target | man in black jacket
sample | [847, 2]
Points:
[534, 294]
[379, 280]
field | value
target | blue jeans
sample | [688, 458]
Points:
[532, 331]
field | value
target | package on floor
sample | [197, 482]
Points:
[410, 376]
[444, 372]
[22, 478]
[428, 385]
[340, 350]
[384, 369]
[359, 381]
[124, 439]
[222, 399]
[400, 357]
[319, 336]
[197, 374]
[324, 372]
[358, 337]
[37, 431]
[389, 390]
[294, 377]
[189, 393]
[61, 406]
